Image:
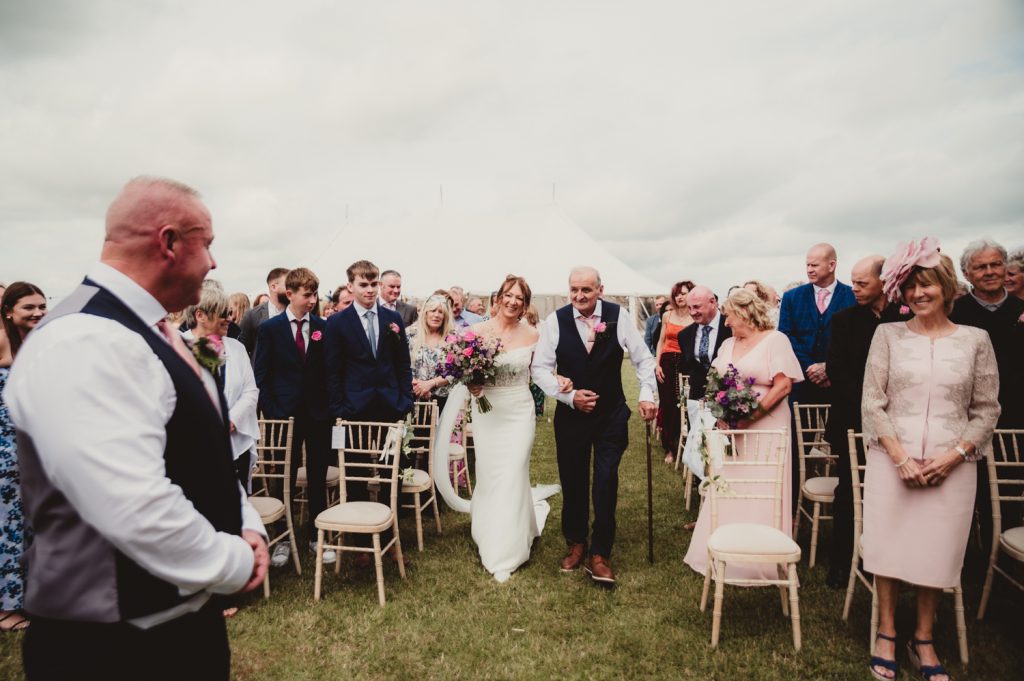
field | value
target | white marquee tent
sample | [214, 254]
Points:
[449, 248]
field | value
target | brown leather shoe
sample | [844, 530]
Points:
[599, 570]
[573, 558]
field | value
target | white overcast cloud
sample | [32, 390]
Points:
[713, 143]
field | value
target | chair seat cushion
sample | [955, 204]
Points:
[1012, 541]
[358, 513]
[821, 489]
[269, 508]
[456, 451]
[751, 539]
[420, 481]
[332, 476]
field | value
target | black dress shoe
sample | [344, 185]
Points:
[837, 579]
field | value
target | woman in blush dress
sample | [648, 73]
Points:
[22, 307]
[760, 352]
[666, 368]
[929, 409]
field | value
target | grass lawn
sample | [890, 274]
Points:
[450, 620]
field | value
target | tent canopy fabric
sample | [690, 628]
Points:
[448, 248]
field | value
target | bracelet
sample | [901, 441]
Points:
[903, 463]
[961, 451]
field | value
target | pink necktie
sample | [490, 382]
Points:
[174, 338]
[589, 321]
[822, 295]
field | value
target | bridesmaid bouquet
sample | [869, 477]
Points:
[730, 397]
[469, 359]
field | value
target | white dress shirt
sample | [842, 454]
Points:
[305, 326]
[272, 310]
[544, 361]
[391, 306]
[242, 395]
[96, 400]
[712, 337]
[361, 311]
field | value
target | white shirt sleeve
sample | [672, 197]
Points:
[96, 400]
[543, 368]
[641, 357]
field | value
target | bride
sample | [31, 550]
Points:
[506, 514]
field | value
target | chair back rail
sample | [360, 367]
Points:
[810, 420]
[370, 453]
[274, 457]
[762, 450]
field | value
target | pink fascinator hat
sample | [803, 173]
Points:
[898, 266]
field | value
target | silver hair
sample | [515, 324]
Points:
[586, 270]
[1016, 259]
[976, 247]
[212, 301]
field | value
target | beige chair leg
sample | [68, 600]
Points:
[319, 570]
[339, 539]
[961, 623]
[796, 516]
[398, 550]
[437, 513]
[688, 484]
[781, 572]
[419, 520]
[266, 585]
[987, 590]
[469, 483]
[794, 605]
[815, 519]
[716, 613]
[378, 563]
[707, 586]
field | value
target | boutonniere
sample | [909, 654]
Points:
[209, 352]
[601, 331]
[1020, 319]
[394, 330]
[315, 336]
[904, 310]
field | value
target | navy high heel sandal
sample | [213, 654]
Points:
[884, 663]
[927, 671]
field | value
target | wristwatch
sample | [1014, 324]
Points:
[961, 451]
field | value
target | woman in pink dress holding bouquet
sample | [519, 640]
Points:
[760, 352]
[929, 408]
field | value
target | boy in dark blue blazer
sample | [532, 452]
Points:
[291, 375]
[369, 370]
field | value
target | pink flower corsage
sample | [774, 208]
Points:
[394, 328]
[924, 253]
[209, 352]
[600, 331]
[315, 336]
[904, 309]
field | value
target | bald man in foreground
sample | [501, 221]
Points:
[126, 463]
[852, 330]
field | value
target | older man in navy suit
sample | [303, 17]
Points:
[290, 373]
[805, 318]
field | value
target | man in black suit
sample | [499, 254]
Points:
[852, 331]
[988, 306]
[275, 305]
[390, 292]
[699, 342]
[291, 375]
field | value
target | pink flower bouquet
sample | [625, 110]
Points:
[469, 359]
[730, 397]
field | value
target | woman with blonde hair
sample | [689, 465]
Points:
[238, 305]
[760, 352]
[426, 345]
[930, 405]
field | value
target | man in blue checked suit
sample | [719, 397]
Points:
[805, 318]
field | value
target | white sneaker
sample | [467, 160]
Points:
[282, 552]
[329, 555]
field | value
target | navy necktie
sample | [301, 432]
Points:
[702, 354]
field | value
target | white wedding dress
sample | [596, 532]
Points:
[506, 514]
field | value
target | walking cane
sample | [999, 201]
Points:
[650, 498]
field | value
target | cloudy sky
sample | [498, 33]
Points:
[712, 141]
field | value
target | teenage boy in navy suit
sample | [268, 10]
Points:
[369, 372]
[290, 373]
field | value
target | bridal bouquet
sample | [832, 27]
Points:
[730, 397]
[469, 359]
